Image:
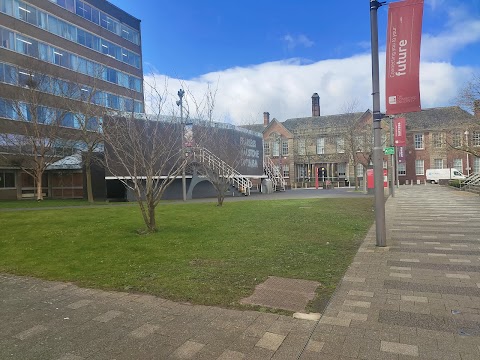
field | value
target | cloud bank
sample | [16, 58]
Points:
[284, 88]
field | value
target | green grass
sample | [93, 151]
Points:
[30, 203]
[203, 254]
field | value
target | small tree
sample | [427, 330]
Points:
[32, 139]
[145, 154]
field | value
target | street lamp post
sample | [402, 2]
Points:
[468, 157]
[380, 227]
[180, 94]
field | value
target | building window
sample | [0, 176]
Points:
[275, 148]
[340, 145]
[438, 163]
[419, 167]
[286, 170]
[385, 164]
[321, 146]
[7, 179]
[418, 141]
[359, 170]
[458, 164]
[301, 147]
[476, 165]
[359, 143]
[341, 170]
[266, 148]
[437, 140]
[402, 169]
[476, 138]
[284, 147]
[456, 139]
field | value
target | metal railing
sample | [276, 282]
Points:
[274, 173]
[239, 181]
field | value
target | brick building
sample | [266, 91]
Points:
[341, 145]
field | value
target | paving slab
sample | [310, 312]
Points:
[418, 298]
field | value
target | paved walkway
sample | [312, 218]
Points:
[419, 298]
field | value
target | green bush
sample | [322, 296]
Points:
[454, 183]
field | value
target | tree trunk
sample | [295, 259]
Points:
[220, 199]
[152, 225]
[38, 176]
[88, 171]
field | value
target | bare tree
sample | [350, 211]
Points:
[468, 98]
[88, 115]
[32, 139]
[145, 154]
[470, 94]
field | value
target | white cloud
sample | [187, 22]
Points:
[293, 41]
[284, 88]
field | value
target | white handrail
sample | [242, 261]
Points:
[238, 180]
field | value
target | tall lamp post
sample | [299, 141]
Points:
[380, 227]
[180, 94]
[468, 157]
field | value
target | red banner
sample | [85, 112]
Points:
[399, 131]
[404, 33]
[401, 154]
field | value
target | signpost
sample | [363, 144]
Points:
[389, 151]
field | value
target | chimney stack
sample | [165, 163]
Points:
[476, 108]
[266, 119]
[315, 105]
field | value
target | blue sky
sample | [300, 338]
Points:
[272, 55]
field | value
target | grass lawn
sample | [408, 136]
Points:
[202, 254]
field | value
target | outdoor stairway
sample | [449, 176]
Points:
[237, 180]
[471, 183]
[274, 174]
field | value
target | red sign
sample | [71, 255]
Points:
[404, 33]
[370, 179]
[400, 138]
[401, 154]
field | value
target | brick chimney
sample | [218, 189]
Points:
[266, 119]
[476, 108]
[315, 105]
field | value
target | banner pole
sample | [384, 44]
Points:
[381, 232]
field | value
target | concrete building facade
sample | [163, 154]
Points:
[83, 51]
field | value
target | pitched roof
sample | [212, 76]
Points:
[325, 121]
[322, 121]
[438, 118]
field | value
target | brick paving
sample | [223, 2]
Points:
[418, 298]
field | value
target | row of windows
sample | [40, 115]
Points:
[7, 179]
[34, 16]
[274, 146]
[98, 17]
[440, 164]
[22, 111]
[57, 56]
[438, 139]
[21, 77]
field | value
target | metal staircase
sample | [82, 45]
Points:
[237, 180]
[274, 173]
[471, 183]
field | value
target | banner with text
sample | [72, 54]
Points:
[399, 131]
[404, 33]
[401, 154]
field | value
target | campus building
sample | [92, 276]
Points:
[339, 147]
[68, 52]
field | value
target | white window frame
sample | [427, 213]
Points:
[402, 169]
[419, 167]
[320, 146]
[458, 164]
[418, 141]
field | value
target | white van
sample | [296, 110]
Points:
[434, 175]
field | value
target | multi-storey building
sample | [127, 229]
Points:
[82, 50]
[341, 145]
